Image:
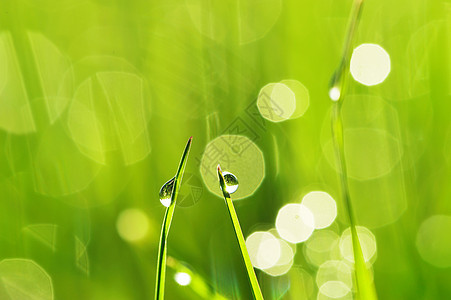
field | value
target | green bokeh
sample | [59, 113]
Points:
[97, 100]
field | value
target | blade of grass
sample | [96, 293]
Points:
[365, 285]
[162, 252]
[239, 236]
[338, 78]
[198, 284]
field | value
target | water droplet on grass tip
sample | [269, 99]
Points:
[166, 192]
[231, 182]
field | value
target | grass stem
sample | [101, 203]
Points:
[241, 242]
[365, 285]
[162, 252]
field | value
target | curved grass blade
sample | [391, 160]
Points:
[365, 285]
[337, 83]
[239, 236]
[162, 252]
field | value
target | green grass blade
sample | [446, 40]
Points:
[338, 79]
[365, 285]
[162, 252]
[239, 235]
[198, 284]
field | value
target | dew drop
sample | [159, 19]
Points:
[334, 93]
[166, 192]
[231, 182]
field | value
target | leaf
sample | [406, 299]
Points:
[161, 262]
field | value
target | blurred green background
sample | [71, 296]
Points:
[98, 98]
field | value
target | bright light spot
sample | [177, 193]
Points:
[334, 93]
[433, 242]
[264, 249]
[97, 129]
[321, 296]
[370, 153]
[302, 97]
[24, 279]
[283, 265]
[295, 223]
[322, 246]
[302, 284]
[182, 278]
[166, 202]
[323, 207]
[334, 289]
[238, 154]
[334, 278]
[279, 270]
[132, 225]
[370, 64]
[367, 242]
[255, 20]
[276, 102]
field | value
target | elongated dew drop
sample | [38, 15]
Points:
[231, 182]
[166, 192]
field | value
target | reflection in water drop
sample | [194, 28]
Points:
[231, 182]
[166, 192]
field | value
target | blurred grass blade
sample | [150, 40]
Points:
[337, 81]
[198, 283]
[239, 235]
[365, 285]
[162, 252]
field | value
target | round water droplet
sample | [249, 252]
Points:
[231, 182]
[166, 192]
